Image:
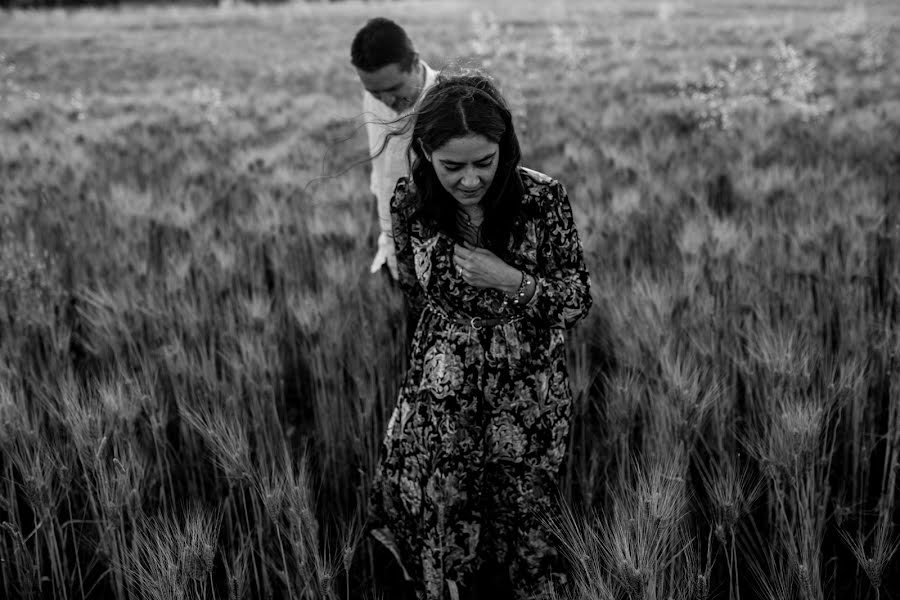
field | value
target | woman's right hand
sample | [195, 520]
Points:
[479, 267]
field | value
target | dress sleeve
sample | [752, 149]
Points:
[402, 207]
[563, 293]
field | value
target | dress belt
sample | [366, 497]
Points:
[476, 323]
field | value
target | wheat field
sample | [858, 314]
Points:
[196, 367]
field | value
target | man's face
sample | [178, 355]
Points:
[392, 86]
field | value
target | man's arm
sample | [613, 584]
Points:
[376, 133]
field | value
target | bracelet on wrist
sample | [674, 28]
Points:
[518, 296]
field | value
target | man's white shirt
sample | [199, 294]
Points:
[389, 163]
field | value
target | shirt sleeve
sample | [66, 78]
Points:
[375, 139]
[402, 207]
[563, 293]
[376, 132]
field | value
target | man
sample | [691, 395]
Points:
[394, 78]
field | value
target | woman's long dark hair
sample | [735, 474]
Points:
[457, 106]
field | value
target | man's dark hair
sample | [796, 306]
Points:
[379, 43]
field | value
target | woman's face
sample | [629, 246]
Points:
[466, 166]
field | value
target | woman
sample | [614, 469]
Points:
[489, 251]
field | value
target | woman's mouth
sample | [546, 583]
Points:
[470, 193]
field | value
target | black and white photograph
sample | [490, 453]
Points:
[450, 299]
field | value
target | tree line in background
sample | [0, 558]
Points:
[39, 4]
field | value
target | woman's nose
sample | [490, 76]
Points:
[470, 178]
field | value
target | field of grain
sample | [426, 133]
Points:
[196, 367]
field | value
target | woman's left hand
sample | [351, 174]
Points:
[479, 267]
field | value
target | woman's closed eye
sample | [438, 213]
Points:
[481, 165]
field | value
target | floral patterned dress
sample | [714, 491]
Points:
[477, 437]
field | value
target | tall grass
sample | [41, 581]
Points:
[196, 368]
